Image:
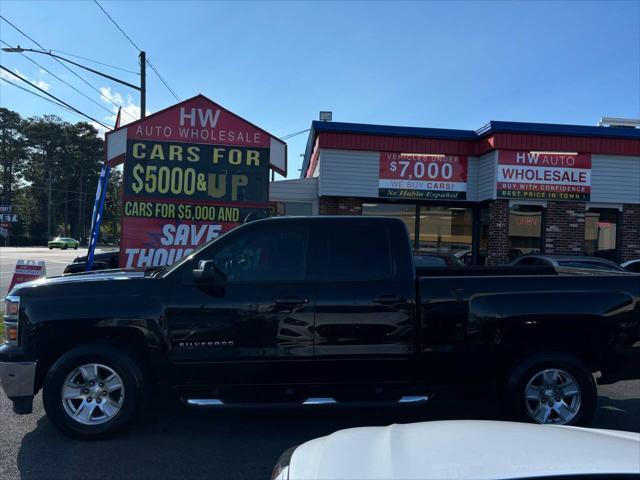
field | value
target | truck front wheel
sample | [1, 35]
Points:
[93, 391]
[551, 388]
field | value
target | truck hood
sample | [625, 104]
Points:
[465, 449]
[100, 276]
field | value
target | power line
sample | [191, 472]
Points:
[98, 62]
[53, 96]
[37, 95]
[117, 26]
[60, 190]
[60, 79]
[295, 134]
[65, 66]
[153, 67]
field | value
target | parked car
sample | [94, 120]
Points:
[102, 260]
[321, 307]
[464, 449]
[591, 263]
[436, 259]
[63, 243]
[632, 266]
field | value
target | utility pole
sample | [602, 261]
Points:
[142, 88]
[143, 84]
[49, 205]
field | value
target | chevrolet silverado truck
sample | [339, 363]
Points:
[299, 309]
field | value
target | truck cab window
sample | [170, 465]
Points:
[265, 255]
[359, 252]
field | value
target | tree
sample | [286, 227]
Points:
[13, 149]
[49, 169]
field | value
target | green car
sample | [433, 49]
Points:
[63, 243]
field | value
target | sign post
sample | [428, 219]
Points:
[191, 172]
[27, 271]
[6, 219]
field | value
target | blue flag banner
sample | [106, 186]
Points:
[96, 217]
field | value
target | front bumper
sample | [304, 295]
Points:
[18, 378]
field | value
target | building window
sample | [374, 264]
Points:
[525, 230]
[601, 233]
[446, 229]
[405, 212]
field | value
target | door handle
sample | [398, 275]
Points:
[388, 299]
[291, 301]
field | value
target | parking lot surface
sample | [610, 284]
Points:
[179, 442]
[188, 443]
[55, 261]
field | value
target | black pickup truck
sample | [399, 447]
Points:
[288, 309]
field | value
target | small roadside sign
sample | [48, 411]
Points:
[27, 271]
[8, 217]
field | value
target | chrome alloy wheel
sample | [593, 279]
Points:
[552, 396]
[92, 394]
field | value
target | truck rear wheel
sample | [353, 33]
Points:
[551, 388]
[93, 391]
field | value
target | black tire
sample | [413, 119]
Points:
[50, 248]
[513, 393]
[64, 247]
[120, 362]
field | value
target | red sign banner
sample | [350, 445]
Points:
[27, 271]
[191, 172]
[544, 175]
[422, 176]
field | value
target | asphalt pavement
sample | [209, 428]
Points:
[55, 261]
[174, 441]
[190, 443]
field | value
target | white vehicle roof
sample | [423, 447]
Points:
[465, 450]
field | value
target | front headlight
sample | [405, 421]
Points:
[12, 308]
[281, 469]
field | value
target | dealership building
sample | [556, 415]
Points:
[488, 195]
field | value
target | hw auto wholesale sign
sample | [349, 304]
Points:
[544, 175]
[191, 173]
[423, 176]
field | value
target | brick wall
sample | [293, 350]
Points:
[630, 232]
[498, 235]
[340, 206]
[564, 228]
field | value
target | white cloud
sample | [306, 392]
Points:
[40, 83]
[130, 109]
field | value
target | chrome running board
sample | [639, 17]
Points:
[413, 399]
[216, 402]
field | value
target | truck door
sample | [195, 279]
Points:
[364, 301]
[257, 326]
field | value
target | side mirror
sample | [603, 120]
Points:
[208, 272]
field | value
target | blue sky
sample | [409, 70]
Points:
[431, 64]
